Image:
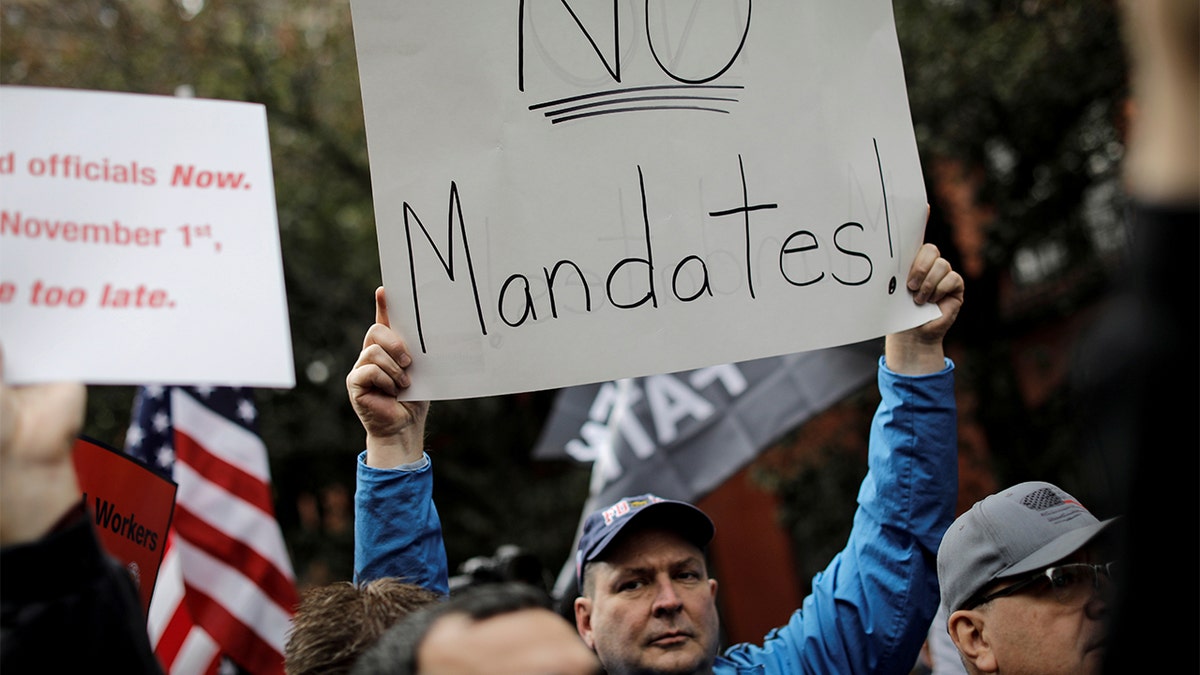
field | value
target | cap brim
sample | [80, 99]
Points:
[1058, 549]
[688, 521]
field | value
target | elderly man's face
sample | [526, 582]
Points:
[651, 607]
[524, 642]
[1041, 629]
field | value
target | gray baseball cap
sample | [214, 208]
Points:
[1024, 528]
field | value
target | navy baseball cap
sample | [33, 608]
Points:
[603, 525]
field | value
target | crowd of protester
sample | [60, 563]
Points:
[1026, 580]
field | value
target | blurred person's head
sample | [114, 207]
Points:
[1026, 583]
[647, 603]
[491, 629]
[334, 623]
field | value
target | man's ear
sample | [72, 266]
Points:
[583, 620]
[968, 630]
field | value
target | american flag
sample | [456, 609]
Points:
[226, 590]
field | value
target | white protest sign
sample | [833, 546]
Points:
[571, 192]
[139, 241]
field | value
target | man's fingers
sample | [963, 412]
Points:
[381, 315]
[382, 380]
[927, 272]
[950, 285]
[377, 356]
[949, 297]
[371, 377]
[926, 256]
[389, 341]
[931, 288]
[381, 333]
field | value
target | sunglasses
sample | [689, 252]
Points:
[1070, 584]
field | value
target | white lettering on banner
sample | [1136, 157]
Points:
[597, 448]
[730, 375]
[669, 401]
[611, 414]
[612, 411]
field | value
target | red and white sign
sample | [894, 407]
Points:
[141, 232]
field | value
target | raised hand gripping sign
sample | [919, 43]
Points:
[571, 192]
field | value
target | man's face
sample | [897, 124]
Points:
[652, 607]
[524, 642]
[1036, 631]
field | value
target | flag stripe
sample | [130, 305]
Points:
[215, 470]
[174, 636]
[199, 653]
[168, 593]
[232, 443]
[240, 641]
[169, 623]
[226, 588]
[240, 596]
[231, 515]
[217, 544]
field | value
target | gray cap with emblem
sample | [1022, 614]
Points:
[1023, 528]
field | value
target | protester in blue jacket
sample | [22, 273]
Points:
[397, 532]
[648, 604]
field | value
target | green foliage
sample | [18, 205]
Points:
[1032, 94]
[1030, 91]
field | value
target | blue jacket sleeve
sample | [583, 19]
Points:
[870, 609]
[397, 532]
